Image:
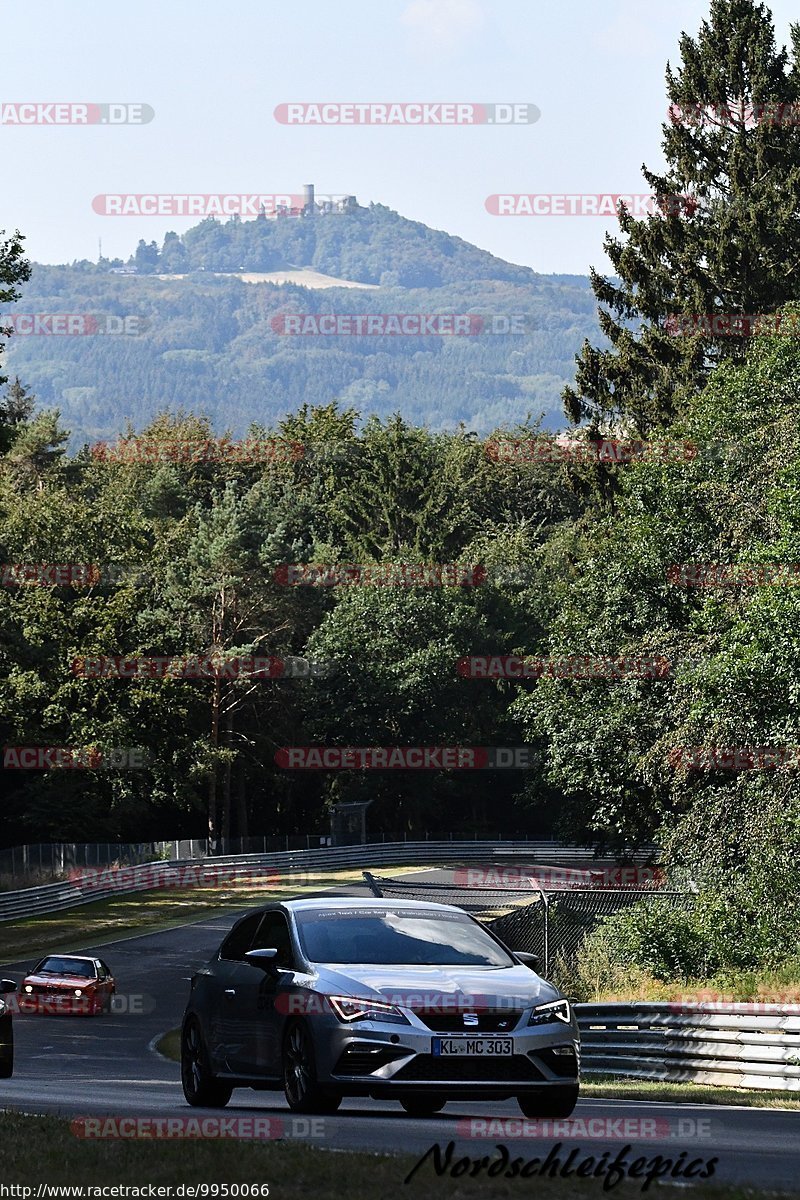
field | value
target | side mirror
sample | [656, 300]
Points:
[529, 960]
[263, 959]
[7, 985]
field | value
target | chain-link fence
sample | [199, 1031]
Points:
[551, 923]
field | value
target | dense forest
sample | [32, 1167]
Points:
[209, 342]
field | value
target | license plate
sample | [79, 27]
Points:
[477, 1047]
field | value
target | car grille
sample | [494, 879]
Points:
[49, 989]
[427, 1068]
[500, 1021]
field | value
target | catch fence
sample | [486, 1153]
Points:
[550, 922]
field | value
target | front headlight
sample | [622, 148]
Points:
[557, 1010]
[28, 988]
[349, 1009]
[78, 992]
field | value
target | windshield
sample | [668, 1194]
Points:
[65, 966]
[397, 937]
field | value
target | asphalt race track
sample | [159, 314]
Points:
[106, 1066]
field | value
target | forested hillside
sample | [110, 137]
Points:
[208, 342]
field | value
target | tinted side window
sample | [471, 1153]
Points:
[274, 932]
[239, 940]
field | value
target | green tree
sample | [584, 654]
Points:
[734, 247]
[146, 257]
[733, 650]
[14, 270]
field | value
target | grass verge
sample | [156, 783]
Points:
[169, 1045]
[610, 1087]
[38, 1149]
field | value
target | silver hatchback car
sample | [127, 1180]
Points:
[399, 1000]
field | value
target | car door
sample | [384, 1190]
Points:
[257, 1019]
[105, 983]
[220, 984]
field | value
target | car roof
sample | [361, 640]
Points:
[318, 903]
[71, 957]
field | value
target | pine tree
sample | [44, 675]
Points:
[17, 404]
[14, 270]
[732, 145]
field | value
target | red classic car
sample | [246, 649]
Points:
[67, 984]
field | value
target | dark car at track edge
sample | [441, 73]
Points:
[6, 1030]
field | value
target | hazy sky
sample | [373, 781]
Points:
[214, 74]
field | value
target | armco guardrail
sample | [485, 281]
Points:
[54, 897]
[747, 1045]
[38, 863]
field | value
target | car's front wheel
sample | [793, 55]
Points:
[423, 1106]
[554, 1104]
[200, 1087]
[303, 1092]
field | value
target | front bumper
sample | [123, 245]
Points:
[377, 1059]
[59, 1002]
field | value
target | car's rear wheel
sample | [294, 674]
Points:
[303, 1092]
[555, 1103]
[423, 1106]
[200, 1087]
